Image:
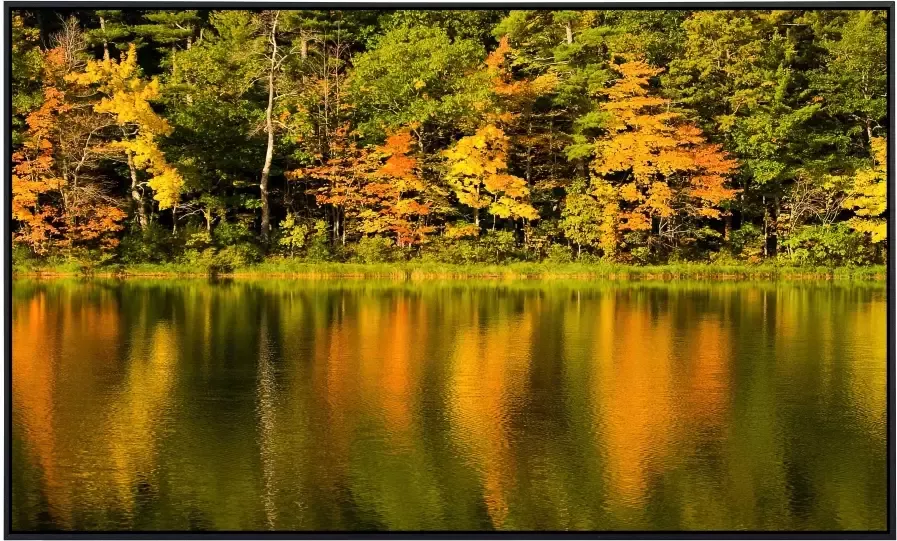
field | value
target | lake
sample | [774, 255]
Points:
[448, 405]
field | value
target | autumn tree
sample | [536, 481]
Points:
[339, 181]
[868, 197]
[400, 200]
[126, 98]
[658, 166]
[477, 173]
[59, 197]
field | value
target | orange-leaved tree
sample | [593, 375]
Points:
[399, 199]
[340, 177]
[653, 171]
[59, 200]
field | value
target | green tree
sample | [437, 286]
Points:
[419, 77]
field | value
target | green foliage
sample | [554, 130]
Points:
[150, 244]
[831, 245]
[27, 62]
[491, 247]
[746, 242]
[319, 248]
[474, 25]
[418, 76]
[293, 234]
[558, 253]
[377, 250]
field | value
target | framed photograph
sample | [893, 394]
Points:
[329, 270]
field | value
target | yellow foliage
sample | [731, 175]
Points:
[477, 174]
[127, 97]
[869, 196]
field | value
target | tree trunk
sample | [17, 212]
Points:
[529, 152]
[105, 43]
[476, 216]
[569, 28]
[269, 128]
[765, 229]
[135, 193]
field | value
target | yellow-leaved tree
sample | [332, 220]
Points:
[127, 97]
[477, 173]
[868, 198]
[653, 170]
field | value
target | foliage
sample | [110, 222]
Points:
[605, 136]
[377, 250]
[477, 173]
[868, 198]
[655, 171]
[830, 245]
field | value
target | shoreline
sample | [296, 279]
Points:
[527, 271]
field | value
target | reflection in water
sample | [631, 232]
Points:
[292, 405]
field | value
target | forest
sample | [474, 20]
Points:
[223, 139]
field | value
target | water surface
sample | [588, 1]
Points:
[347, 405]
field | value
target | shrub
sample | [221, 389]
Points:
[829, 245]
[227, 233]
[377, 250]
[319, 248]
[292, 234]
[558, 253]
[499, 246]
[23, 259]
[151, 244]
[746, 243]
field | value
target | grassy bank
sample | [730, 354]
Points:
[418, 269]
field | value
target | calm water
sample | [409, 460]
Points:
[448, 405]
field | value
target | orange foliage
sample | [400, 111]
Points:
[661, 165]
[387, 198]
[52, 208]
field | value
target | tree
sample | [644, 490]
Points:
[477, 173]
[174, 29]
[344, 175]
[469, 24]
[274, 29]
[852, 77]
[26, 60]
[745, 74]
[58, 199]
[214, 105]
[868, 198]
[113, 29]
[126, 98]
[400, 200]
[419, 77]
[660, 167]
[590, 217]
